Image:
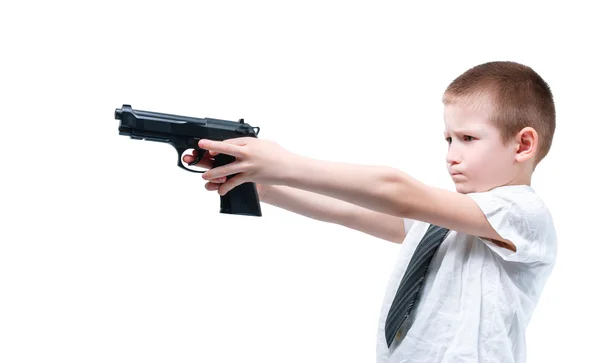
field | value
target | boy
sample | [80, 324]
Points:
[488, 267]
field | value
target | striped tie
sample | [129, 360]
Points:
[413, 278]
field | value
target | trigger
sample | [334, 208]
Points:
[198, 158]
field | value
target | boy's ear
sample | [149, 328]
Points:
[527, 143]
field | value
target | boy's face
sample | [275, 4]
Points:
[477, 160]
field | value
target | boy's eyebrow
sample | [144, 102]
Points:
[462, 131]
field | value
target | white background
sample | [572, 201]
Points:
[111, 253]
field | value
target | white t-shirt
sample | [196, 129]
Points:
[478, 297]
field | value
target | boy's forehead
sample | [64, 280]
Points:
[461, 116]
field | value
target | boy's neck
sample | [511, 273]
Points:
[523, 177]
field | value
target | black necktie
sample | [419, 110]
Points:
[412, 280]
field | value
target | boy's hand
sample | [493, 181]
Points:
[257, 160]
[206, 162]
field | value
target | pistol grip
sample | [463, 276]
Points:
[241, 200]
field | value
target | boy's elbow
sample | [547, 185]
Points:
[400, 189]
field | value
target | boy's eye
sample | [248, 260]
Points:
[468, 138]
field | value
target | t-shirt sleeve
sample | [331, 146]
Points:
[522, 218]
[408, 223]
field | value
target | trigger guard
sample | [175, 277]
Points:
[180, 152]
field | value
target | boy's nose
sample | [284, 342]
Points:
[452, 157]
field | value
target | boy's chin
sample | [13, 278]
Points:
[466, 188]
[463, 188]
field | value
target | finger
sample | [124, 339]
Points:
[240, 141]
[188, 158]
[212, 186]
[221, 147]
[225, 170]
[232, 183]
[220, 180]
[215, 184]
[205, 161]
[191, 157]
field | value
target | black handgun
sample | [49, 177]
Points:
[184, 133]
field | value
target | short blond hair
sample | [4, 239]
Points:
[518, 95]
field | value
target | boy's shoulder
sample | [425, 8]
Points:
[517, 200]
[520, 215]
[506, 215]
[512, 219]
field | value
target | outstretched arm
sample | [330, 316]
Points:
[391, 191]
[379, 188]
[331, 210]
